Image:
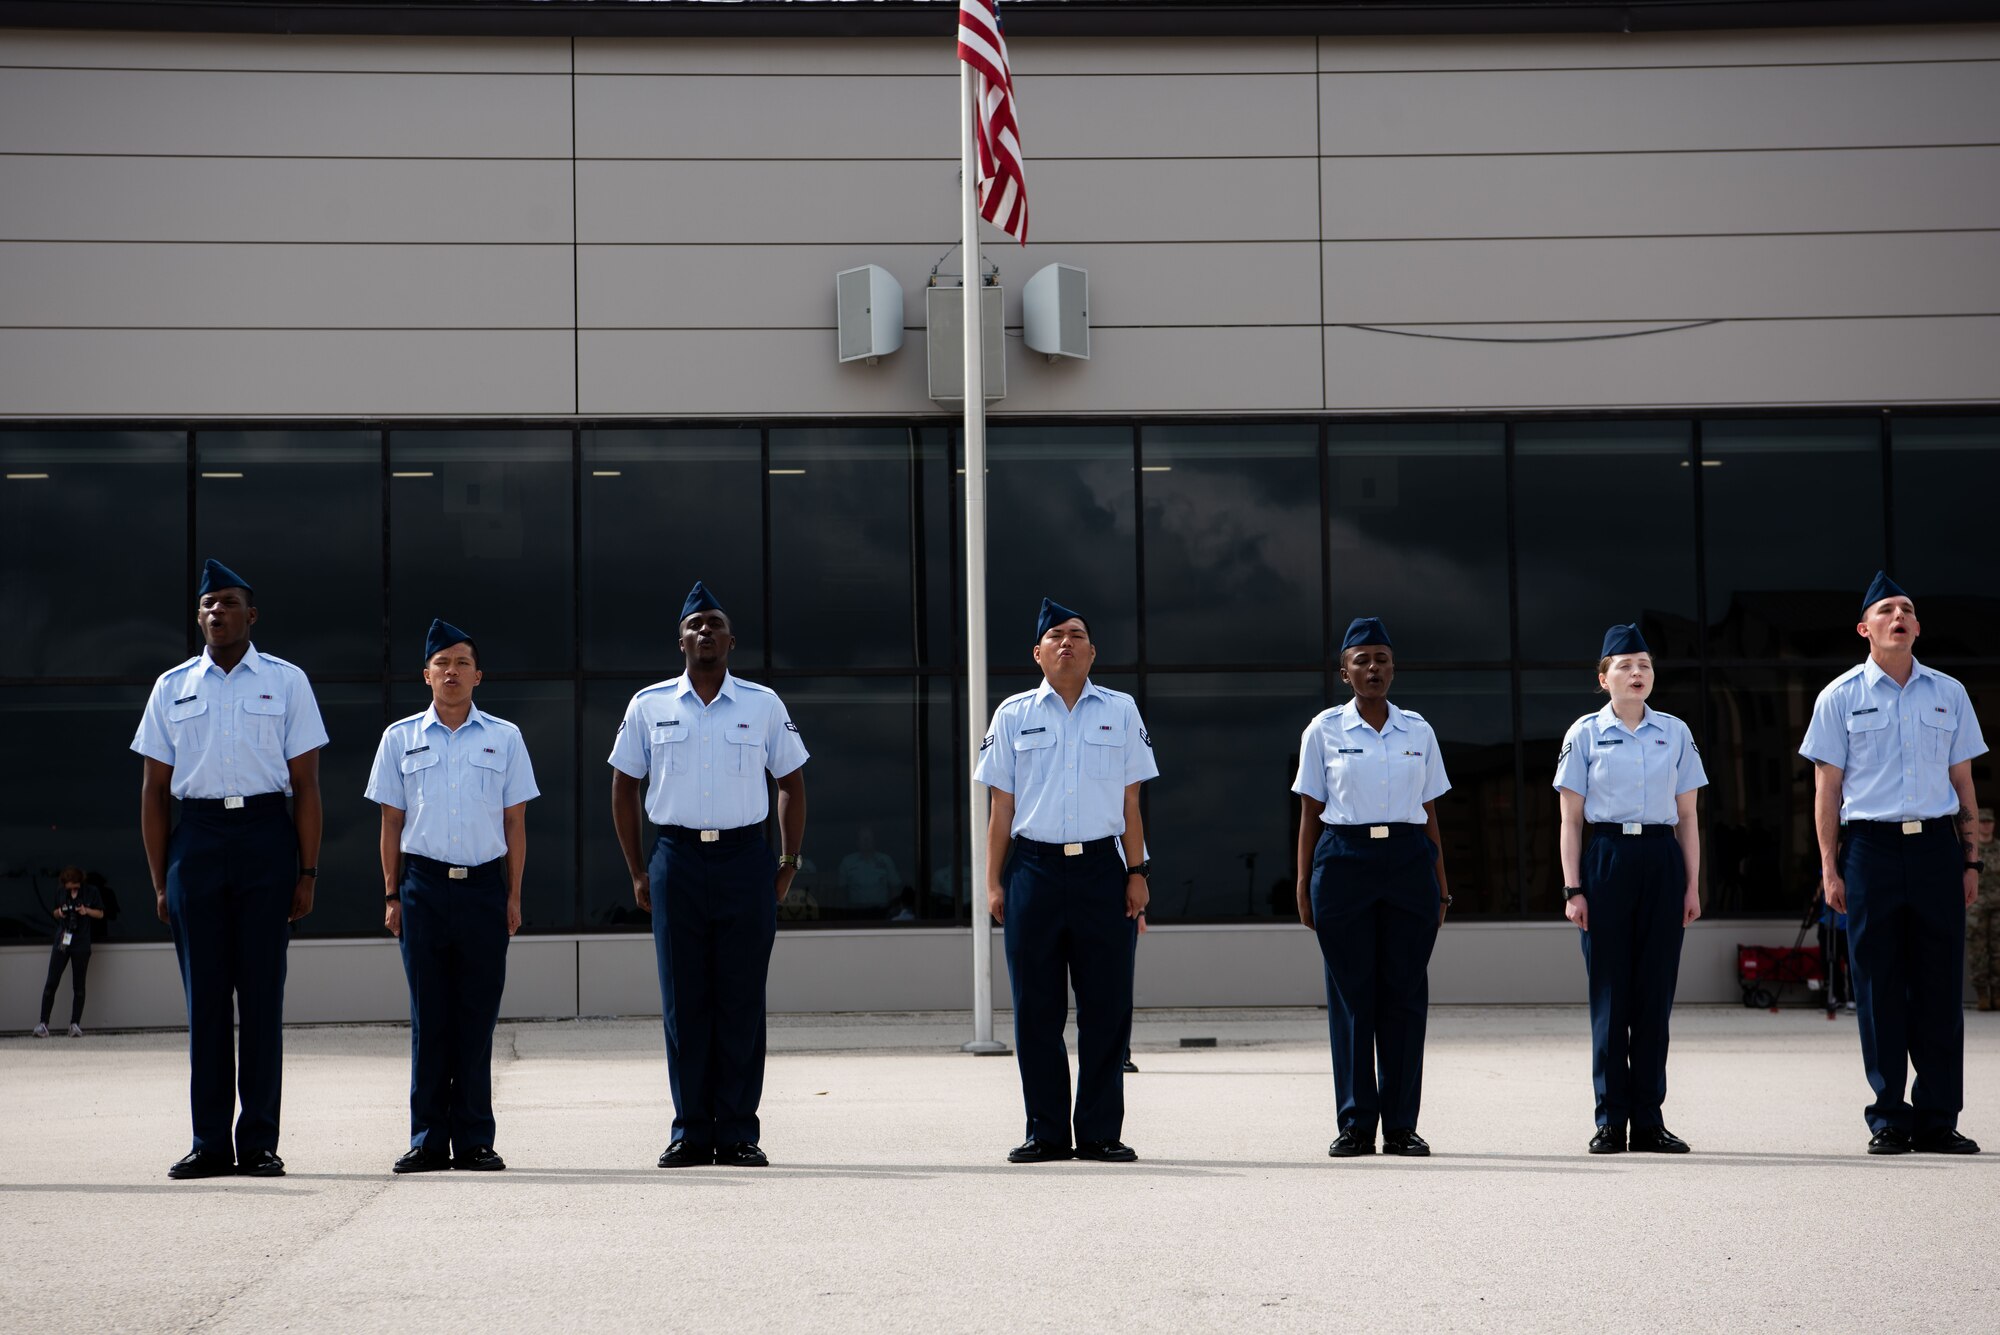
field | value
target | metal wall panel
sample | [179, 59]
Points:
[58, 49]
[1773, 46]
[915, 55]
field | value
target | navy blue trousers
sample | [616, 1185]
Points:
[230, 876]
[1065, 930]
[1375, 911]
[454, 946]
[715, 915]
[1906, 945]
[1635, 887]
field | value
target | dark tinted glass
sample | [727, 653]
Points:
[1760, 850]
[940, 539]
[606, 892]
[842, 593]
[1552, 700]
[662, 509]
[349, 899]
[545, 713]
[1947, 478]
[1222, 820]
[1792, 518]
[300, 513]
[941, 748]
[480, 535]
[93, 537]
[865, 791]
[1060, 524]
[1232, 545]
[1472, 715]
[77, 804]
[1604, 533]
[1418, 536]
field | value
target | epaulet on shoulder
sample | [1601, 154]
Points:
[1582, 719]
[1019, 695]
[408, 718]
[1847, 676]
[668, 684]
[755, 686]
[1116, 694]
[1670, 718]
[281, 662]
[181, 666]
[1411, 713]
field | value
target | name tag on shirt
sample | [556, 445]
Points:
[187, 700]
[416, 750]
[1348, 751]
[1870, 710]
[1611, 741]
[1030, 732]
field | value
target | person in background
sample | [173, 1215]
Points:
[77, 906]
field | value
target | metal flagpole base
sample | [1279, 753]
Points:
[985, 1047]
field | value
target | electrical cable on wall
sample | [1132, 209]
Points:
[1567, 338]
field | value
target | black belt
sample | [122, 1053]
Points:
[451, 872]
[1383, 829]
[256, 802]
[1632, 830]
[1903, 826]
[1069, 850]
[742, 834]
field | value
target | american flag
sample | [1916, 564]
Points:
[1003, 187]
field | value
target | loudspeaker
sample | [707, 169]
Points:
[944, 314]
[870, 303]
[1055, 312]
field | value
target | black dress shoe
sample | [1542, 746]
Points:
[203, 1164]
[680, 1154]
[1406, 1143]
[1106, 1151]
[1351, 1144]
[1039, 1151]
[479, 1159]
[1889, 1140]
[1943, 1140]
[1131, 1067]
[260, 1163]
[1656, 1140]
[422, 1159]
[741, 1155]
[1608, 1140]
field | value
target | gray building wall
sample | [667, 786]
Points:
[353, 226]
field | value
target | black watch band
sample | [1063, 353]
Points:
[1571, 892]
[310, 871]
[1144, 869]
[393, 897]
[1975, 866]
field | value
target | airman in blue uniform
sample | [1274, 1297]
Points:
[1892, 744]
[1629, 776]
[696, 749]
[231, 734]
[1064, 763]
[454, 784]
[1371, 885]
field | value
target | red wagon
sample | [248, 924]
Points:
[1764, 971]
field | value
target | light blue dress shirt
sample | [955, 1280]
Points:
[1893, 745]
[1066, 768]
[1367, 777]
[1629, 774]
[705, 764]
[454, 788]
[230, 734]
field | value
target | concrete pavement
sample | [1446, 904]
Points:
[889, 1206]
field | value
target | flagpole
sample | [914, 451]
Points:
[983, 1043]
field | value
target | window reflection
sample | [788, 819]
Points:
[1947, 475]
[1472, 715]
[300, 512]
[1417, 522]
[1232, 545]
[480, 535]
[605, 895]
[1060, 525]
[1604, 534]
[349, 899]
[1762, 854]
[1792, 517]
[662, 509]
[862, 859]
[93, 537]
[841, 558]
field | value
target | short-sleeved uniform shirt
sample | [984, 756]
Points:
[230, 734]
[454, 788]
[1629, 775]
[1367, 777]
[705, 763]
[1067, 769]
[1894, 745]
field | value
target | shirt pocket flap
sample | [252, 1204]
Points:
[1105, 735]
[1033, 741]
[670, 732]
[1873, 721]
[1937, 720]
[746, 736]
[185, 710]
[414, 761]
[487, 758]
[264, 704]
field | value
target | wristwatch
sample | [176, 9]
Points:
[310, 871]
[1975, 866]
[393, 897]
[1571, 892]
[1144, 869]
[788, 859]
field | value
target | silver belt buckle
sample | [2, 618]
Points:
[1913, 827]
[1632, 827]
[459, 873]
[1378, 832]
[711, 836]
[1072, 850]
[232, 804]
